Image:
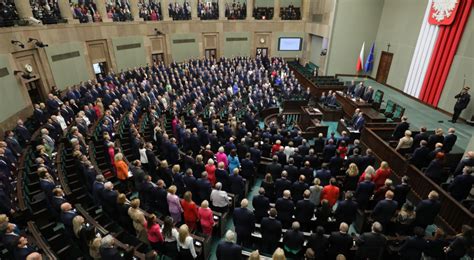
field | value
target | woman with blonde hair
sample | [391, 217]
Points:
[206, 218]
[122, 169]
[138, 219]
[405, 143]
[174, 206]
[77, 222]
[255, 255]
[164, 172]
[190, 210]
[222, 157]
[381, 175]
[186, 249]
[211, 172]
[352, 176]
[269, 187]
[370, 171]
[279, 254]
[315, 192]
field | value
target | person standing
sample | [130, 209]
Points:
[463, 99]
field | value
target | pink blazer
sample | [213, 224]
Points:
[206, 217]
[222, 157]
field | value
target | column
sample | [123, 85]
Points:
[134, 10]
[102, 10]
[23, 8]
[66, 13]
[194, 10]
[250, 5]
[305, 9]
[164, 10]
[222, 10]
[276, 10]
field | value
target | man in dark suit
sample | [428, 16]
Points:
[67, 215]
[204, 188]
[292, 172]
[427, 210]
[435, 138]
[371, 244]
[222, 176]
[152, 161]
[255, 153]
[271, 232]
[46, 183]
[304, 211]
[274, 168]
[359, 122]
[346, 210]
[227, 249]
[39, 115]
[385, 209]
[23, 250]
[282, 184]
[329, 150]
[248, 168]
[237, 184]
[419, 157]
[261, 205]
[297, 189]
[293, 239]
[414, 246]
[400, 129]
[462, 100]
[57, 200]
[109, 199]
[97, 189]
[10, 236]
[285, 208]
[466, 161]
[22, 133]
[335, 164]
[340, 242]
[173, 152]
[324, 175]
[359, 90]
[244, 222]
[401, 191]
[462, 184]
[449, 140]
[422, 135]
[364, 191]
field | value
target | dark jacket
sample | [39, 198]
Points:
[371, 246]
[261, 205]
[244, 222]
[228, 251]
[426, 212]
[346, 211]
[339, 243]
[412, 248]
[384, 211]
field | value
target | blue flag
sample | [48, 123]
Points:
[369, 63]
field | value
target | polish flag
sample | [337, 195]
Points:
[360, 60]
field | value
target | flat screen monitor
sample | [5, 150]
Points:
[97, 69]
[290, 43]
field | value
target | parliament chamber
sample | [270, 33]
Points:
[236, 129]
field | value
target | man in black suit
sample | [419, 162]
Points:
[466, 161]
[222, 176]
[204, 188]
[107, 249]
[67, 215]
[419, 157]
[385, 209]
[109, 199]
[324, 175]
[244, 222]
[237, 185]
[414, 246]
[304, 211]
[335, 164]
[23, 250]
[292, 172]
[282, 184]
[346, 210]
[329, 150]
[364, 191]
[248, 168]
[401, 191]
[307, 172]
[367, 159]
[298, 188]
[340, 242]
[274, 168]
[427, 210]
[227, 249]
[173, 152]
[255, 154]
[462, 184]
[285, 208]
[152, 161]
[400, 129]
[319, 143]
[271, 232]
[261, 205]
[462, 100]
[293, 239]
[39, 115]
[57, 200]
[371, 244]
[97, 189]
[10, 236]
[22, 133]
[435, 138]
[449, 140]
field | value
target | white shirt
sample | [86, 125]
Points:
[143, 157]
[188, 244]
[219, 198]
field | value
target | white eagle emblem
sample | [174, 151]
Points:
[443, 9]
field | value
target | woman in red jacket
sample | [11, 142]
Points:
[211, 172]
[381, 175]
[153, 231]
[190, 210]
[206, 218]
[330, 192]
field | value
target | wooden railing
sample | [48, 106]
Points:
[452, 215]
[45, 249]
[315, 90]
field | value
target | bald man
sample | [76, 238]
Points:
[340, 242]
[385, 209]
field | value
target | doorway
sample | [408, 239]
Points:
[34, 91]
[210, 53]
[261, 52]
[384, 67]
[100, 68]
[158, 57]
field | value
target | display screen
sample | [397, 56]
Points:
[289, 44]
[97, 69]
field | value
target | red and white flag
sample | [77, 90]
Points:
[360, 60]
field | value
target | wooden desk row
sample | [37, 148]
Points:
[349, 105]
